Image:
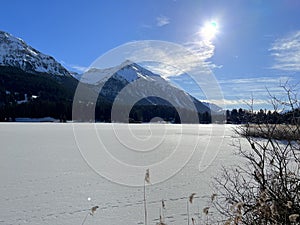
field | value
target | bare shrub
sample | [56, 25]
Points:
[266, 188]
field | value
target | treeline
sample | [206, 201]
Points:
[139, 113]
[61, 109]
[38, 95]
[242, 116]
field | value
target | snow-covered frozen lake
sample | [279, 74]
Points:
[46, 180]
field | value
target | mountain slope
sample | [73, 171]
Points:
[32, 84]
[25, 70]
[131, 81]
[15, 52]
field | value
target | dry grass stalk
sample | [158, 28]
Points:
[289, 204]
[293, 217]
[227, 222]
[205, 210]
[213, 196]
[91, 212]
[146, 180]
[193, 221]
[162, 216]
[163, 204]
[191, 198]
[147, 176]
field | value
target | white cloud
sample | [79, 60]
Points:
[169, 59]
[286, 52]
[80, 69]
[165, 70]
[257, 80]
[162, 21]
[193, 58]
[261, 89]
[258, 87]
[239, 92]
[74, 68]
[203, 49]
[238, 102]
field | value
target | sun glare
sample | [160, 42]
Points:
[209, 30]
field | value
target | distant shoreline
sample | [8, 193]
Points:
[273, 131]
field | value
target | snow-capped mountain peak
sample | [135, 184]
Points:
[128, 71]
[16, 53]
[140, 83]
[132, 71]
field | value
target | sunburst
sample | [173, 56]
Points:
[209, 30]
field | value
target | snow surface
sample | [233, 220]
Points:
[45, 180]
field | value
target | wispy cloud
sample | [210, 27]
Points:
[258, 87]
[257, 80]
[74, 68]
[204, 50]
[244, 103]
[80, 69]
[162, 21]
[239, 92]
[286, 52]
[169, 59]
[193, 58]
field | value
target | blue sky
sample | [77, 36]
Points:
[255, 46]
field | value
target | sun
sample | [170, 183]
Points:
[209, 30]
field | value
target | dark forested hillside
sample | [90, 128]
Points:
[25, 94]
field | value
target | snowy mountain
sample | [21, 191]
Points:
[35, 85]
[215, 108]
[32, 84]
[128, 71]
[14, 52]
[136, 82]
